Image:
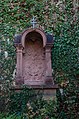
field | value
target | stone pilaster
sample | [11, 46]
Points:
[19, 77]
[49, 78]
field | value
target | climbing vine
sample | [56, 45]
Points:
[61, 18]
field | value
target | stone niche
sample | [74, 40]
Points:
[34, 64]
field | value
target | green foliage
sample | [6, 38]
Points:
[59, 18]
[27, 104]
[13, 116]
[19, 100]
[66, 62]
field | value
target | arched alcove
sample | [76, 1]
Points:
[34, 59]
[38, 32]
[34, 66]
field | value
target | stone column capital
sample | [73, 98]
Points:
[19, 47]
[48, 49]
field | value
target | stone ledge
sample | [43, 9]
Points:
[44, 86]
[35, 87]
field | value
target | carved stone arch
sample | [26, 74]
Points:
[34, 66]
[38, 31]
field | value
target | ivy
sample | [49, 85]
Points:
[61, 18]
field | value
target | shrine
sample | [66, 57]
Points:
[34, 64]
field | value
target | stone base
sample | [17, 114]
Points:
[19, 82]
[48, 91]
[49, 94]
[49, 80]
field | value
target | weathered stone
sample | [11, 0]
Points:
[34, 66]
